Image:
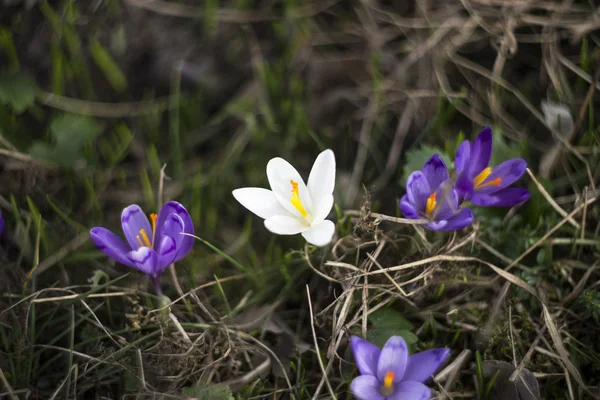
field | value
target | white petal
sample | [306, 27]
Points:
[280, 174]
[259, 201]
[320, 234]
[321, 180]
[323, 208]
[285, 225]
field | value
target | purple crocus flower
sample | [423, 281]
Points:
[151, 248]
[430, 197]
[483, 185]
[1, 224]
[390, 373]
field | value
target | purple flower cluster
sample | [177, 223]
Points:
[431, 196]
[390, 373]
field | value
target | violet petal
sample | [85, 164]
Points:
[460, 220]
[111, 245]
[407, 208]
[481, 151]
[173, 227]
[133, 220]
[418, 190]
[393, 358]
[366, 387]
[167, 251]
[422, 365]
[365, 354]
[503, 198]
[187, 242]
[463, 155]
[435, 171]
[447, 202]
[464, 187]
[411, 390]
[146, 260]
[508, 172]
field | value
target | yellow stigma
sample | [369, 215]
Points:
[296, 199]
[145, 237]
[431, 203]
[388, 380]
[483, 175]
[153, 218]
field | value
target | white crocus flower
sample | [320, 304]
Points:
[291, 207]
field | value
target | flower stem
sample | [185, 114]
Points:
[156, 282]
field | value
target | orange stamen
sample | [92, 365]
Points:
[139, 240]
[431, 203]
[153, 218]
[494, 182]
[388, 380]
[145, 237]
[296, 199]
[478, 180]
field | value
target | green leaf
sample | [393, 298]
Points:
[207, 391]
[17, 90]
[71, 130]
[501, 151]
[387, 322]
[108, 65]
[416, 158]
[70, 133]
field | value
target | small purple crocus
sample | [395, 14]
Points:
[1, 224]
[390, 373]
[149, 248]
[483, 185]
[430, 197]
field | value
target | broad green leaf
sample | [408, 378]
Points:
[416, 158]
[387, 322]
[17, 90]
[71, 130]
[501, 151]
[70, 133]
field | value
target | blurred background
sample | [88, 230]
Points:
[105, 103]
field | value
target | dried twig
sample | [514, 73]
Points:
[318, 353]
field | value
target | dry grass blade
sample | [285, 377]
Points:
[551, 200]
[27, 159]
[186, 337]
[64, 251]
[90, 296]
[312, 326]
[550, 232]
[558, 344]
[382, 217]
[7, 385]
[105, 110]
[62, 383]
